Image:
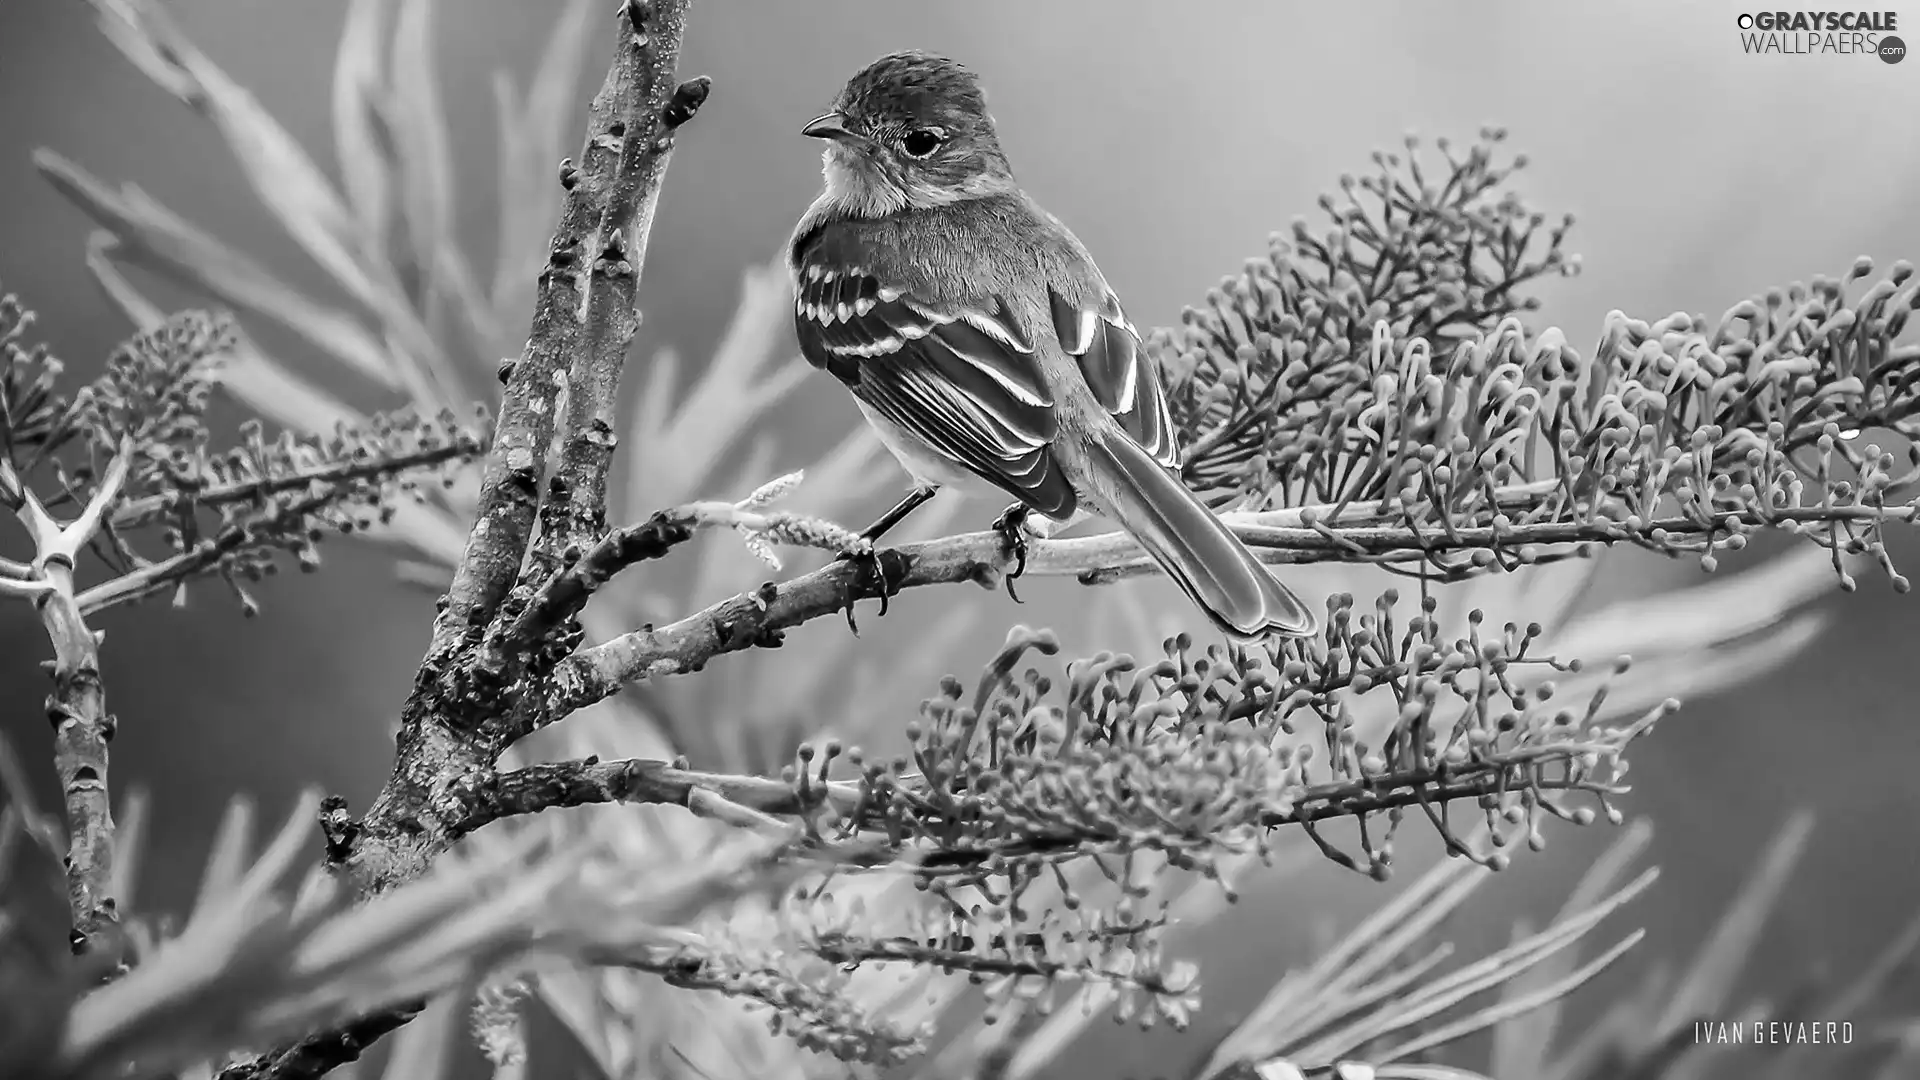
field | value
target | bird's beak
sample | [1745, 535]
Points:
[831, 126]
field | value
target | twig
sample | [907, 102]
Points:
[843, 949]
[562, 596]
[142, 511]
[706, 804]
[566, 592]
[320, 1054]
[757, 618]
[167, 573]
[489, 797]
[164, 574]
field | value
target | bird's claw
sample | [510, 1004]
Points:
[871, 572]
[1012, 527]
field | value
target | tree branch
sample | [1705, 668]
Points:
[445, 723]
[1300, 535]
[523, 436]
[165, 574]
[566, 591]
[325, 1051]
[146, 510]
[1006, 959]
[579, 490]
[281, 512]
[78, 705]
[488, 797]
[583, 307]
[546, 620]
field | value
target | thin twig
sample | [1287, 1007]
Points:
[562, 596]
[757, 617]
[151, 508]
[166, 574]
[565, 593]
[479, 800]
[490, 796]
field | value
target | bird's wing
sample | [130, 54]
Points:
[1118, 370]
[962, 378]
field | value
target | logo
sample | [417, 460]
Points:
[1822, 33]
[1773, 1032]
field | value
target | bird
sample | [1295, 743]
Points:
[982, 343]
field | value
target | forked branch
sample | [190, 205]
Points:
[77, 707]
[559, 391]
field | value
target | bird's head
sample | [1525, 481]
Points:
[910, 131]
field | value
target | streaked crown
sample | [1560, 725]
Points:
[919, 88]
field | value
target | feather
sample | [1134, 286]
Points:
[961, 378]
[1118, 370]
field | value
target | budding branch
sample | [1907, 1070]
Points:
[1292, 536]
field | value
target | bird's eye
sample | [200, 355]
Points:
[921, 142]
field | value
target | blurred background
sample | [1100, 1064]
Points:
[1173, 139]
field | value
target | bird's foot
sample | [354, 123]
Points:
[870, 578]
[1012, 527]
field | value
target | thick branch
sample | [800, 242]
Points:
[445, 725]
[82, 729]
[579, 496]
[77, 706]
[523, 435]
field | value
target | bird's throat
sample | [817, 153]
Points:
[857, 190]
[861, 187]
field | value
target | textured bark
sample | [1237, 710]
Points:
[324, 1052]
[82, 729]
[448, 726]
[1277, 537]
[623, 112]
[580, 493]
[562, 596]
[489, 797]
[454, 723]
[78, 705]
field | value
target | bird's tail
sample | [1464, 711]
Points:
[1209, 563]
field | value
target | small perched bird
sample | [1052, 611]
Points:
[982, 343]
